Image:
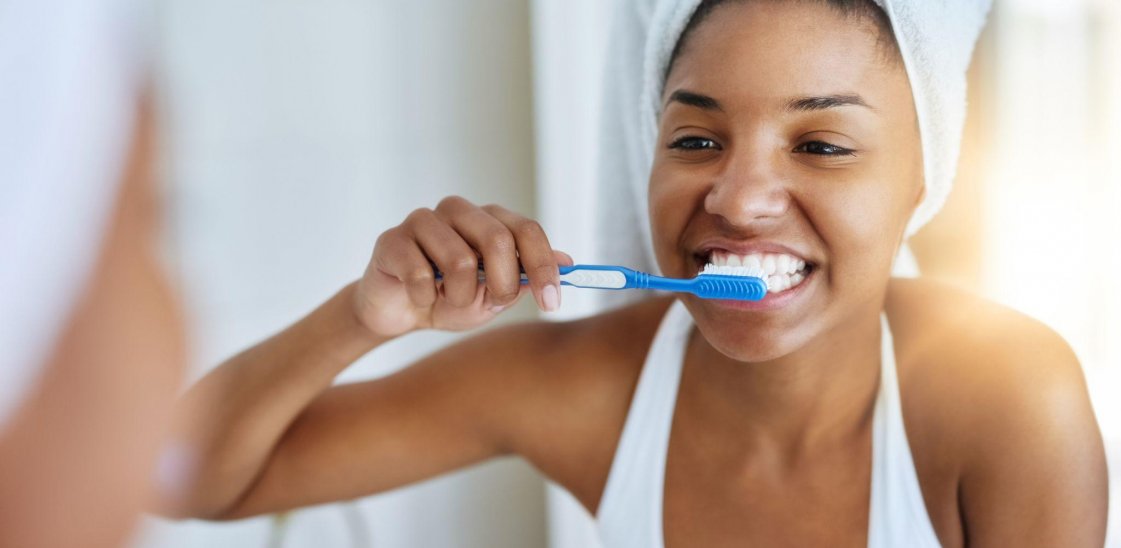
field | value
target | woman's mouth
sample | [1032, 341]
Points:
[784, 272]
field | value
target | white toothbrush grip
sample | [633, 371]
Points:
[602, 279]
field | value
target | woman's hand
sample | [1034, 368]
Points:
[399, 292]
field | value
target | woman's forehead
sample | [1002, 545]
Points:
[779, 50]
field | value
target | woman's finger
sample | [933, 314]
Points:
[535, 254]
[563, 258]
[488, 236]
[397, 255]
[458, 263]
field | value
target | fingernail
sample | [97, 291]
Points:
[497, 308]
[550, 297]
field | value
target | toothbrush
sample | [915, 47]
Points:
[714, 282]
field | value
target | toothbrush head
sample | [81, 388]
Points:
[753, 271]
[745, 283]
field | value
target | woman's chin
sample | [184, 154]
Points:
[754, 347]
[757, 341]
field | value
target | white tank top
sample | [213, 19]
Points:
[630, 510]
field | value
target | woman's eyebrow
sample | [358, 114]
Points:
[800, 104]
[822, 102]
[694, 99]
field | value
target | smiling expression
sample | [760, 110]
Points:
[787, 137]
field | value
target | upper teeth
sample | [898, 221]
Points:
[783, 271]
[771, 263]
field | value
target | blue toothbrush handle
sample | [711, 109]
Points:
[706, 286]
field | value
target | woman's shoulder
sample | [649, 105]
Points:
[944, 331]
[955, 347]
[928, 311]
[983, 386]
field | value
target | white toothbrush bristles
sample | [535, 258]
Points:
[752, 271]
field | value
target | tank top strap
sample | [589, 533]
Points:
[897, 512]
[630, 509]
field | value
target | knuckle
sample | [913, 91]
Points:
[418, 214]
[501, 240]
[526, 228]
[420, 276]
[390, 242]
[463, 263]
[450, 202]
[386, 238]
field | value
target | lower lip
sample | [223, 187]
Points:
[771, 301]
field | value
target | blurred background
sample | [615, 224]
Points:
[294, 132]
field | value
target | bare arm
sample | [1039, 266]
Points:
[454, 408]
[230, 421]
[1036, 473]
[269, 434]
[76, 459]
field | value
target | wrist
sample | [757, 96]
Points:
[352, 315]
[345, 330]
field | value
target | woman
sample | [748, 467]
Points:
[788, 134]
[91, 344]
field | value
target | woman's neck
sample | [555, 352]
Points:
[817, 394]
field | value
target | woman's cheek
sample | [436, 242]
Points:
[669, 212]
[859, 222]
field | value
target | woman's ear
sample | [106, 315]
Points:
[919, 196]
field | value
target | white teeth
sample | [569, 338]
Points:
[783, 271]
[783, 263]
[769, 264]
[781, 282]
[777, 283]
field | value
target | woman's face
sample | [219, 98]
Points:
[788, 135]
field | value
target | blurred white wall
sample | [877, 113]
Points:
[569, 39]
[295, 132]
[1052, 202]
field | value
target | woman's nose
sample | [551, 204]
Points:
[750, 191]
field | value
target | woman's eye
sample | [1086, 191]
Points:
[694, 143]
[824, 149]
